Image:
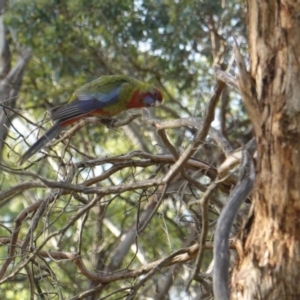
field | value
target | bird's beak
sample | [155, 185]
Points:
[157, 103]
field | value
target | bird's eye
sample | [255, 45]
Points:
[155, 94]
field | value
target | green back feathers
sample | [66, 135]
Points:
[124, 86]
[107, 83]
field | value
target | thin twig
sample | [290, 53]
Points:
[201, 133]
[205, 225]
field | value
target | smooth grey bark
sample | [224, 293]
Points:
[10, 77]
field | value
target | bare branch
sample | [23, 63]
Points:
[220, 140]
[9, 89]
[180, 256]
[225, 221]
[200, 135]
[5, 62]
[226, 78]
[19, 188]
[205, 224]
[14, 240]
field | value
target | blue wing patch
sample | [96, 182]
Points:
[84, 104]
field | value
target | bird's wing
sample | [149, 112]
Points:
[85, 103]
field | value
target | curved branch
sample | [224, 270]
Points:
[201, 133]
[14, 239]
[226, 78]
[215, 134]
[225, 221]
[19, 188]
[180, 256]
[205, 224]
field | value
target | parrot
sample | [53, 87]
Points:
[104, 97]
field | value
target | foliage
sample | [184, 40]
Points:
[92, 192]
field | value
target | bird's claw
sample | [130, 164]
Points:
[109, 122]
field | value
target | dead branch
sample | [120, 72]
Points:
[226, 78]
[180, 256]
[225, 221]
[205, 224]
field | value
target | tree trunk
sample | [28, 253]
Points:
[269, 264]
[10, 78]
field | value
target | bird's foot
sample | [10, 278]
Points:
[109, 122]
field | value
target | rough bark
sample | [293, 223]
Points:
[269, 265]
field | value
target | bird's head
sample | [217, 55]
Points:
[151, 97]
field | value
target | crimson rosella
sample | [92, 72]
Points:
[103, 97]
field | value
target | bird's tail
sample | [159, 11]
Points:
[41, 142]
